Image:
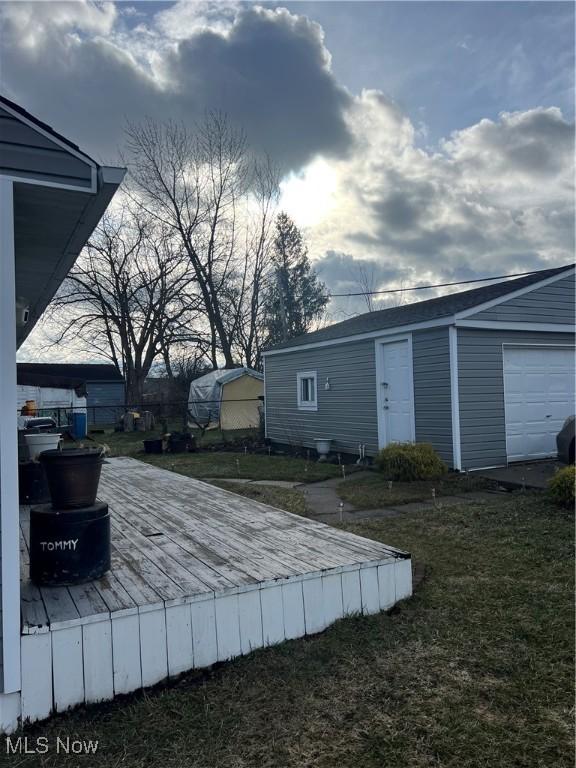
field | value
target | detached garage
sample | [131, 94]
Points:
[486, 376]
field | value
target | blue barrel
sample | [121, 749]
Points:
[79, 425]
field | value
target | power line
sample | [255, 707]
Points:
[426, 287]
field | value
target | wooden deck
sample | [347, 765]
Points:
[198, 575]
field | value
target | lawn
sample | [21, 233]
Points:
[130, 443]
[243, 466]
[475, 671]
[372, 491]
[219, 464]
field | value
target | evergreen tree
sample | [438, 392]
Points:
[295, 297]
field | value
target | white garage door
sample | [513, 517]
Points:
[538, 396]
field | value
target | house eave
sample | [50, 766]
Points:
[69, 228]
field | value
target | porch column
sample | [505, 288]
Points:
[9, 514]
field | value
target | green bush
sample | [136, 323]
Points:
[410, 461]
[561, 487]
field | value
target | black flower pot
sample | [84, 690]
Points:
[179, 442]
[73, 476]
[153, 445]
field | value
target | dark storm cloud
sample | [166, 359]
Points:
[270, 72]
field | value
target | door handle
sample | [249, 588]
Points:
[386, 407]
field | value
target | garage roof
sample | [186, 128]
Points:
[419, 311]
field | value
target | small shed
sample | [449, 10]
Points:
[104, 386]
[227, 398]
[55, 396]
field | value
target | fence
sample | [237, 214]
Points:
[227, 415]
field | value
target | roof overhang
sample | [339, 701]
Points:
[52, 223]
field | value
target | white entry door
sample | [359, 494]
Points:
[396, 392]
[538, 396]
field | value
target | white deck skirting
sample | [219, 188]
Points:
[199, 575]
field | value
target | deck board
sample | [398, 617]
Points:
[176, 539]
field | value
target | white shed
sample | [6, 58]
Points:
[227, 398]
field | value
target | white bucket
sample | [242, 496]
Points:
[44, 441]
[323, 446]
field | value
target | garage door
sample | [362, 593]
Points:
[538, 396]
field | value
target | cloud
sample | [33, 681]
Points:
[494, 197]
[271, 73]
[85, 69]
[535, 142]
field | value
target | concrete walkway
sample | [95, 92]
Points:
[324, 503]
[245, 481]
[535, 474]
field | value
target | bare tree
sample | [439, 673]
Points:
[198, 184]
[129, 297]
[258, 271]
[366, 282]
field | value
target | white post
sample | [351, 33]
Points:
[9, 514]
[455, 398]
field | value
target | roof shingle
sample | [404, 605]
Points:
[419, 311]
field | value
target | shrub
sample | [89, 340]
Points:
[561, 487]
[410, 461]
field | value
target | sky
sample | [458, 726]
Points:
[419, 141]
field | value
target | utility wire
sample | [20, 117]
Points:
[425, 287]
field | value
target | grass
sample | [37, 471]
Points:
[372, 491]
[476, 671]
[130, 443]
[219, 464]
[244, 466]
[282, 498]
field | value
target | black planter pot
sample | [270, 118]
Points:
[32, 484]
[153, 445]
[73, 476]
[179, 442]
[69, 546]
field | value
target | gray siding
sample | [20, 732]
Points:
[346, 413]
[1, 593]
[432, 394]
[553, 303]
[481, 391]
[25, 152]
[105, 401]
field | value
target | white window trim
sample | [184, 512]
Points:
[302, 404]
[379, 345]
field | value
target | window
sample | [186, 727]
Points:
[307, 391]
